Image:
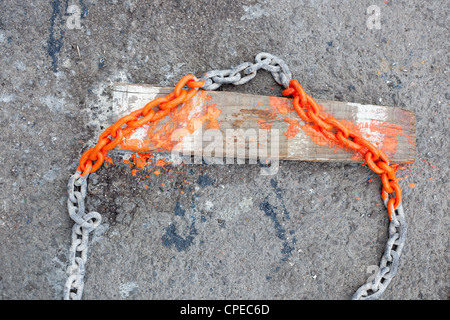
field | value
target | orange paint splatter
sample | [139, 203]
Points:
[212, 124]
[280, 105]
[161, 163]
[383, 134]
[164, 134]
[141, 160]
[316, 136]
[109, 160]
[292, 129]
[264, 125]
[412, 185]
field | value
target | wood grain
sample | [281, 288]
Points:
[390, 129]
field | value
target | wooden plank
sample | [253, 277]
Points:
[254, 117]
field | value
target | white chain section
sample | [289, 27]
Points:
[85, 223]
[377, 284]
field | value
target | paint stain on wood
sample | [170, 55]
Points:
[275, 113]
[166, 133]
[293, 128]
[280, 105]
[264, 125]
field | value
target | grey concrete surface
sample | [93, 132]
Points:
[308, 232]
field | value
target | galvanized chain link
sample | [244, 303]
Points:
[85, 223]
[279, 69]
[377, 284]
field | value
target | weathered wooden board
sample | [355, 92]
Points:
[262, 120]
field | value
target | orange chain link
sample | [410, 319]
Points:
[377, 161]
[304, 105]
[93, 158]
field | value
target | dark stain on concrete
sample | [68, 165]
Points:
[269, 210]
[279, 194]
[178, 210]
[171, 237]
[56, 39]
[204, 181]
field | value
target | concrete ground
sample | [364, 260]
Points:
[209, 231]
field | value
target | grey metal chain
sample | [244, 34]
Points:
[377, 284]
[279, 69]
[85, 223]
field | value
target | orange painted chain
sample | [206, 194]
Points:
[93, 158]
[309, 111]
[304, 105]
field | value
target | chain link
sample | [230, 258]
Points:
[279, 69]
[377, 161]
[374, 288]
[85, 223]
[92, 159]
